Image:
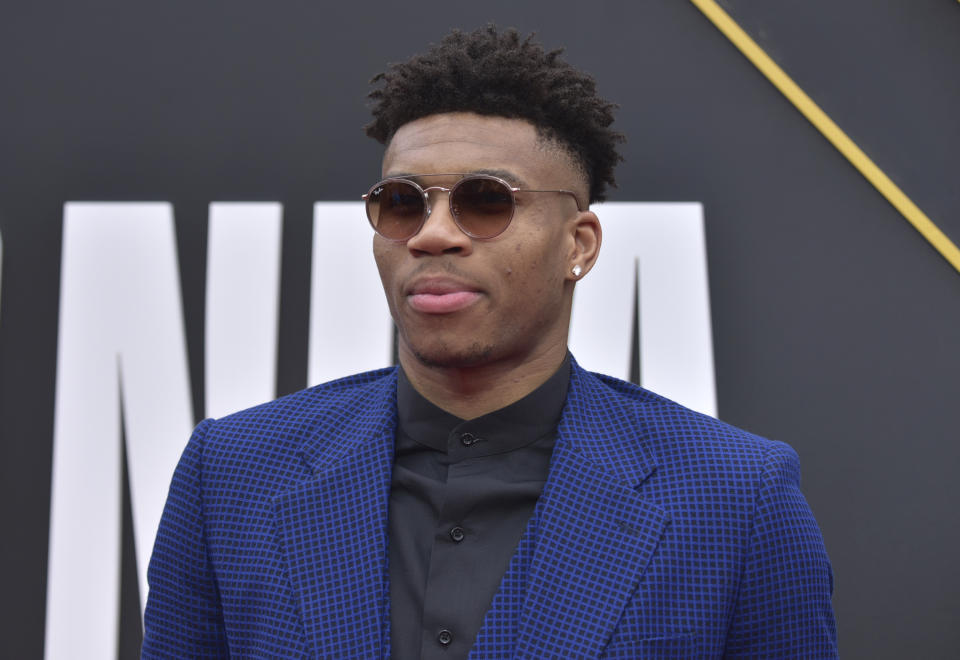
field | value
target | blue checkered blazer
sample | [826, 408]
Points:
[660, 533]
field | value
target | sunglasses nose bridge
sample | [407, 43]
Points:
[426, 196]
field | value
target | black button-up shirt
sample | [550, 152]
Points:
[461, 495]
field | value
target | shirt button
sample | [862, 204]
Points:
[445, 637]
[467, 439]
[457, 534]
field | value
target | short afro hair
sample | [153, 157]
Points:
[502, 74]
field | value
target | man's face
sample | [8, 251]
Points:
[463, 302]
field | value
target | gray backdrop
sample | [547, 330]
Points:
[835, 323]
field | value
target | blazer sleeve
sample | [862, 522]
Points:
[783, 609]
[183, 617]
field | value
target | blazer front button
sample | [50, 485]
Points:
[445, 637]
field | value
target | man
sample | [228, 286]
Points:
[488, 498]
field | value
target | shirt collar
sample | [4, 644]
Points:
[511, 427]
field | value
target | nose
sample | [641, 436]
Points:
[439, 233]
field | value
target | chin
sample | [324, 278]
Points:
[444, 355]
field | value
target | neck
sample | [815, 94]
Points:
[472, 391]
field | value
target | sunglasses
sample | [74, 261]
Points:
[481, 205]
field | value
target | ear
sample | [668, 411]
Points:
[587, 236]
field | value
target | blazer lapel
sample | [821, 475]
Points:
[333, 528]
[589, 541]
[595, 539]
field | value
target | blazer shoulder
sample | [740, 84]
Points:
[278, 429]
[318, 399]
[672, 432]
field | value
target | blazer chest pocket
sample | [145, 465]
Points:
[682, 646]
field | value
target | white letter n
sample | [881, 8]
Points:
[121, 335]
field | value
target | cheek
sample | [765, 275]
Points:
[383, 256]
[386, 265]
[536, 274]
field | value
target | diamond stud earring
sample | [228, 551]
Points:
[576, 270]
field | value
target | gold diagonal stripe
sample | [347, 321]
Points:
[830, 130]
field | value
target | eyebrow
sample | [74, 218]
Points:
[506, 175]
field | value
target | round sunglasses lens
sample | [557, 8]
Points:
[395, 209]
[483, 207]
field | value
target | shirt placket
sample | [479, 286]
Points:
[450, 578]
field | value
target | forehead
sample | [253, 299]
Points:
[465, 142]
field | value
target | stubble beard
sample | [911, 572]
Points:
[442, 355]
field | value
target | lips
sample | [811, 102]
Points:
[441, 295]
